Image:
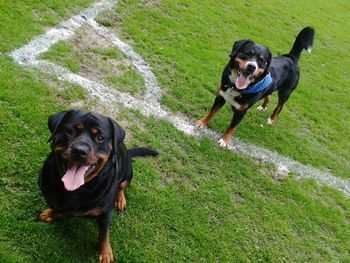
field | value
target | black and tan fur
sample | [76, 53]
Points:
[249, 63]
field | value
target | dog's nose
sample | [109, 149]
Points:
[251, 68]
[80, 151]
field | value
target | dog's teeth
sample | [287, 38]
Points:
[90, 170]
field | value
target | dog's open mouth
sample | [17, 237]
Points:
[75, 176]
[244, 78]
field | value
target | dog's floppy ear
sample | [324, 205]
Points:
[118, 134]
[269, 57]
[55, 121]
[238, 45]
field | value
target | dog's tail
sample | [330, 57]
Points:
[304, 40]
[141, 152]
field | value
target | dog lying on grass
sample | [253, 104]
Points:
[252, 74]
[87, 171]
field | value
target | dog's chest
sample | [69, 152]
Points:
[229, 95]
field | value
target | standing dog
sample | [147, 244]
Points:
[87, 170]
[252, 74]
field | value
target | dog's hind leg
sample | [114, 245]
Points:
[265, 104]
[282, 99]
[120, 202]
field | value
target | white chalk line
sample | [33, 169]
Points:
[28, 56]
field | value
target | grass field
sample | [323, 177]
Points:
[196, 202]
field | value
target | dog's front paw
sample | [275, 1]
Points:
[201, 124]
[270, 121]
[261, 108]
[48, 215]
[106, 255]
[224, 143]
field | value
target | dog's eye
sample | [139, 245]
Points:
[100, 139]
[261, 60]
[250, 53]
[70, 132]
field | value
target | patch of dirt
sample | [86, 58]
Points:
[101, 62]
[280, 172]
[85, 37]
[237, 198]
[187, 182]
[277, 174]
[77, 104]
[177, 179]
[149, 3]
[109, 18]
[88, 70]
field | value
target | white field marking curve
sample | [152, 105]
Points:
[28, 56]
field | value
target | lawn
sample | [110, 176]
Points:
[196, 202]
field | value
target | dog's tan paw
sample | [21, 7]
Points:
[48, 215]
[106, 255]
[106, 258]
[120, 203]
[200, 124]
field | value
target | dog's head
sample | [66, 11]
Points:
[82, 143]
[249, 63]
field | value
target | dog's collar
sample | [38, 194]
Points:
[260, 86]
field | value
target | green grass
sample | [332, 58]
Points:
[91, 56]
[62, 54]
[196, 202]
[187, 44]
[22, 20]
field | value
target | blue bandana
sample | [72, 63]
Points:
[260, 86]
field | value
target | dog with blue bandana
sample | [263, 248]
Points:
[253, 74]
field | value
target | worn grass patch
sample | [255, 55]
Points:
[196, 202]
[93, 57]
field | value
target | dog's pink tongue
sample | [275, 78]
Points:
[74, 177]
[242, 82]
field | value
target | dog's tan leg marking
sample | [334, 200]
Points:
[218, 103]
[263, 107]
[48, 215]
[106, 252]
[226, 137]
[272, 118]
[203, 122]
[120, 202]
